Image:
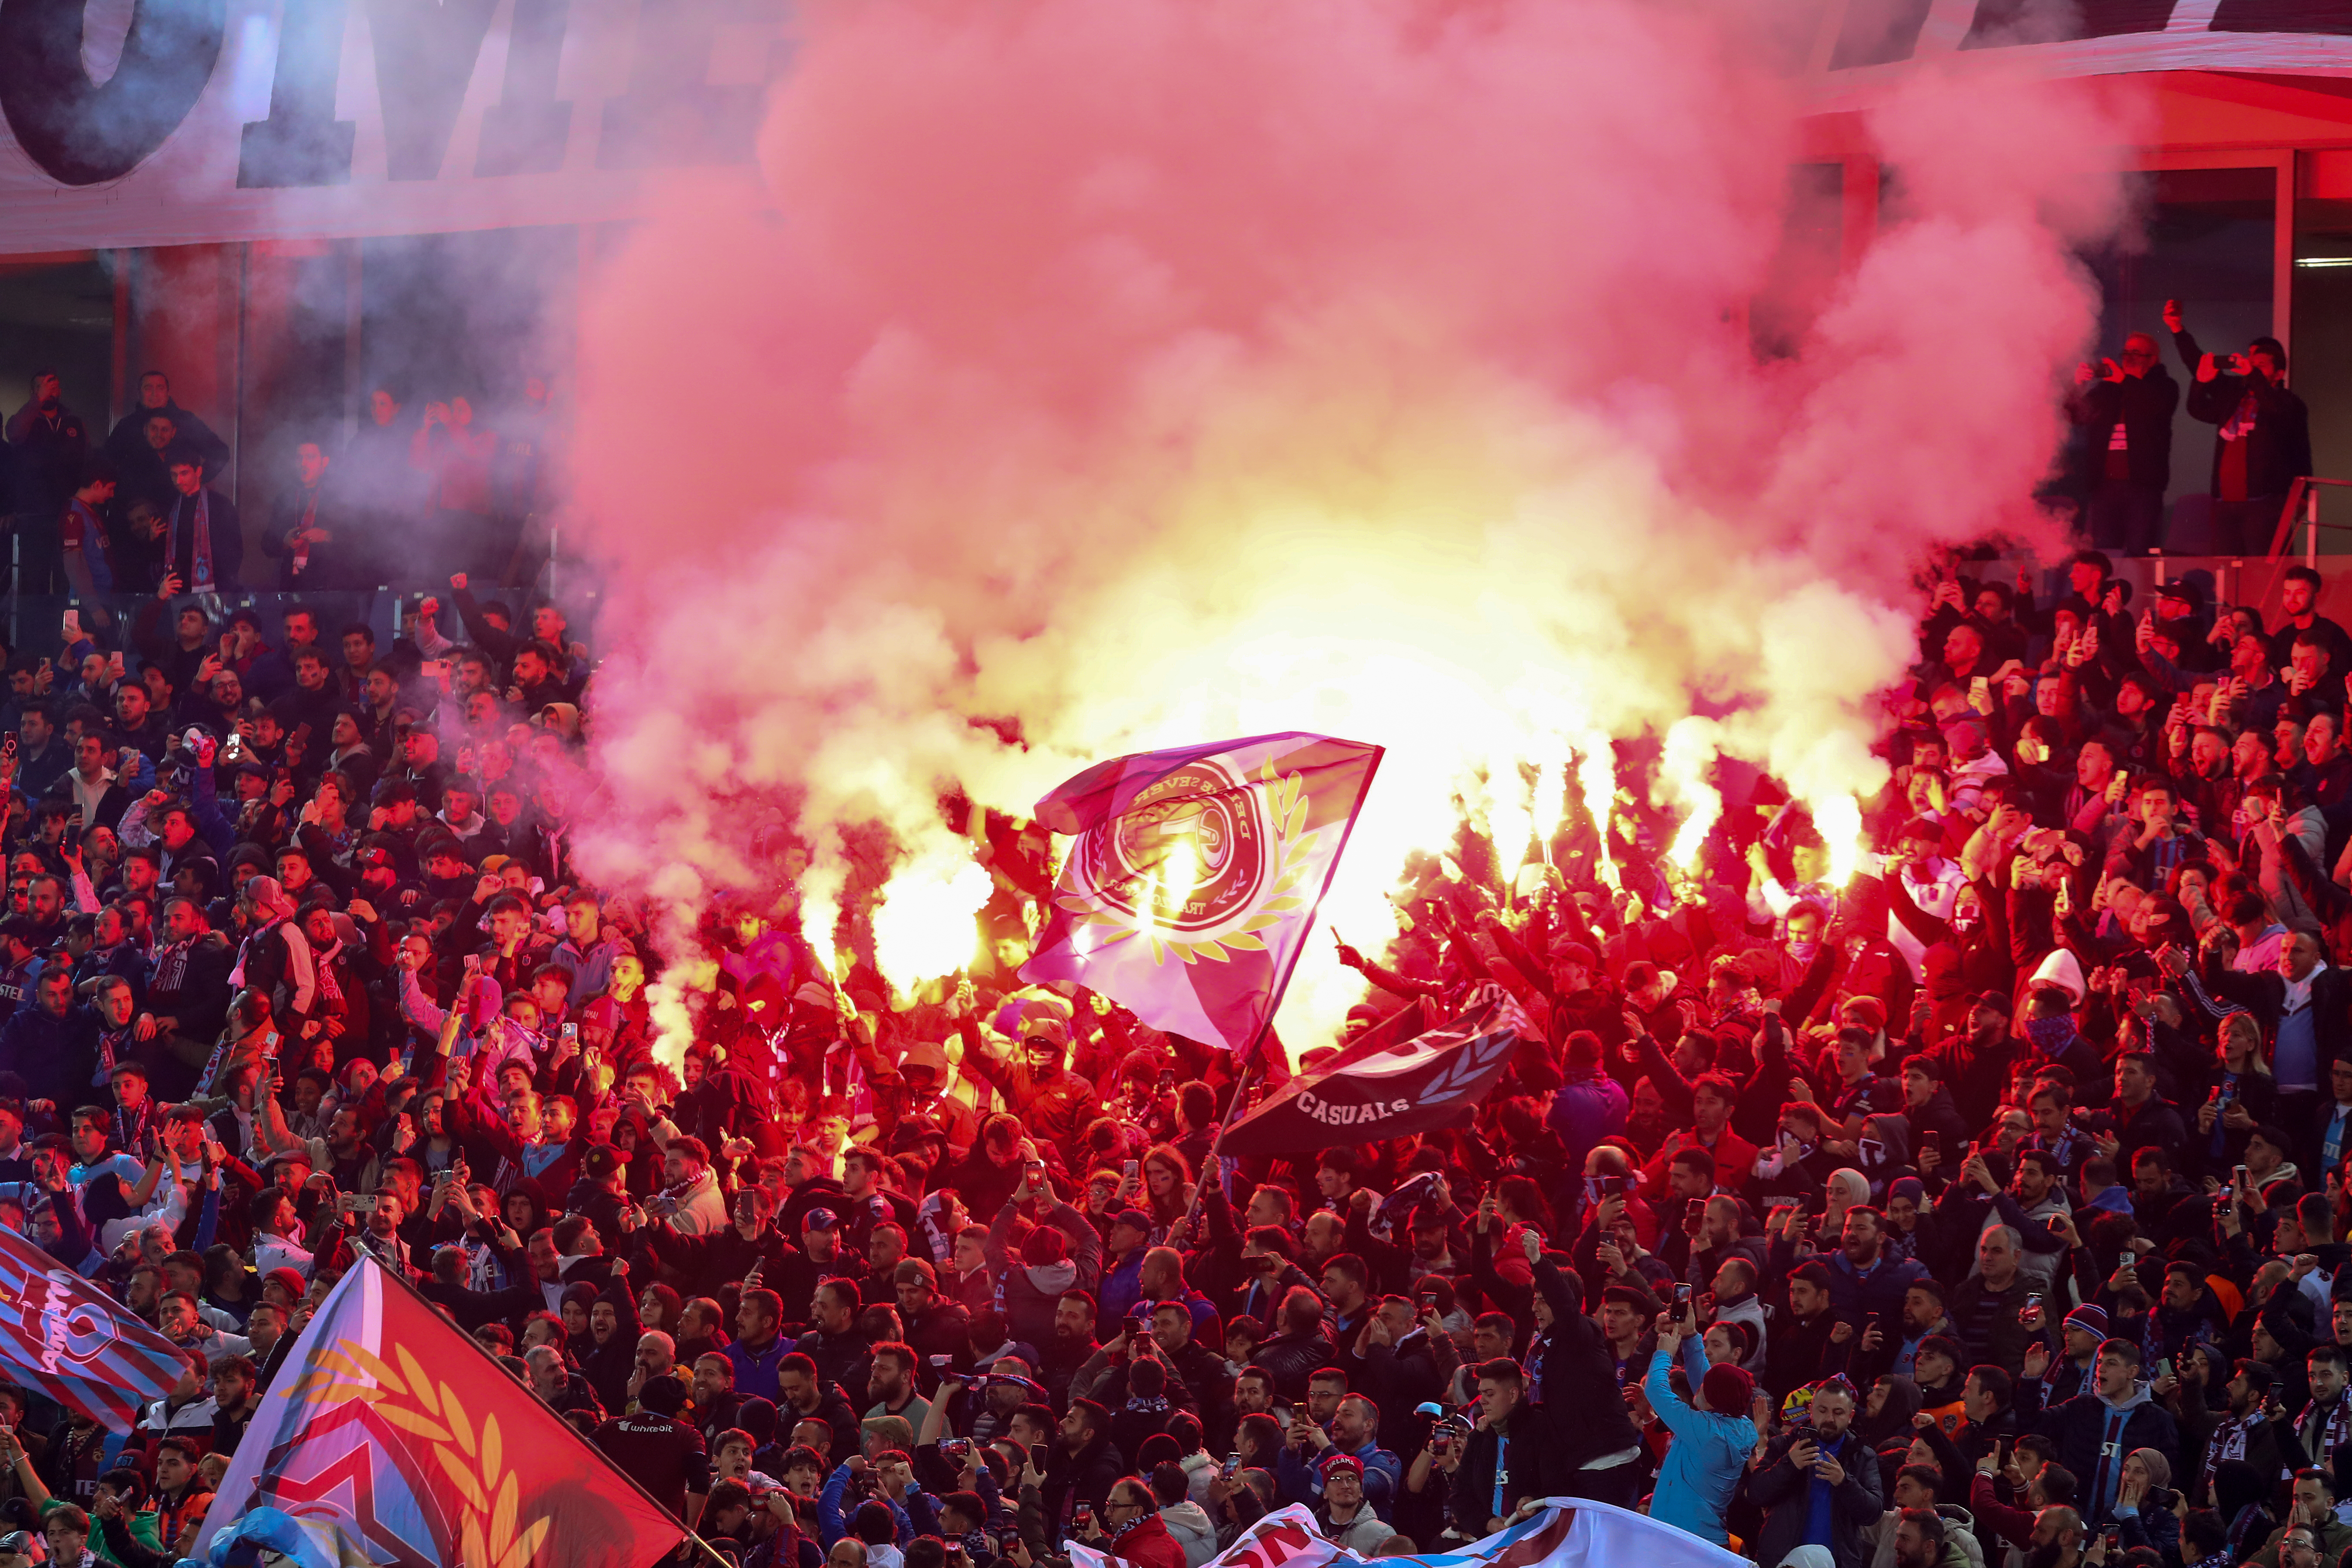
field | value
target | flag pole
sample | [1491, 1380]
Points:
[1253, 1062]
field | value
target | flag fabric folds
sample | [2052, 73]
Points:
[392, 1434]
[1193, 876]
[60, 1335]
[1385, 1084]
[1563, 1532]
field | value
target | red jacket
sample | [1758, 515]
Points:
[1149, 1545]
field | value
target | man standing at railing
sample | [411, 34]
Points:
[2263, 443]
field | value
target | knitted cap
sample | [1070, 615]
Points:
[1728, 1390]
[2091, 1321]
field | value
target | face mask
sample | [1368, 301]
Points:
[1967, 920]
[1802, 951]
[2049, 1034]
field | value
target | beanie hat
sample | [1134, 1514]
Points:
[2091, 1321]
[1728, 1390]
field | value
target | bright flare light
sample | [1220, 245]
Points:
[923, 927]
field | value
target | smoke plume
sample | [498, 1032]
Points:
[1142, 372]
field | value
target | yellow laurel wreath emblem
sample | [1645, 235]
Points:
[1294, 849]
[474, 1460]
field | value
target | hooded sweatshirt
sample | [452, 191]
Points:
[1703, 1464]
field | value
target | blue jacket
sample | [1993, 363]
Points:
[1702, 1465]
[1583, 1114]
[755, 1371]
[1122, 1287]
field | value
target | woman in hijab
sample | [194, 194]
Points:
[1847, 1188]
[2143, 1512]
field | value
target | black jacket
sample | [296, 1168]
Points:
[1087, 1474]
[227, 540]
[2280, 447]
[1579, 1378]
[1525, 1450]
[2144, 405]
[1786, 1493]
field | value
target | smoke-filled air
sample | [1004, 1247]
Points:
[1122, 374]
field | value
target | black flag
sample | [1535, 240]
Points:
[1383, 1086]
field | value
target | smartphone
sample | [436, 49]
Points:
[1167, 1080]
[1682, 1296]
[73, 625]
[357, 1203]
[2164, 1367]
[939, 1362]
[1037, 1457]
[1232, 1466]
[2125, 1259]
[1130, 1168]
[569, 1034]
[2034, 1300]
[1693, 1210]
[1085, 1514]
[2238, 1173]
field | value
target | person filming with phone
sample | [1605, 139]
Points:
[2262, 444]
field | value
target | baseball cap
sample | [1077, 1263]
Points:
[1333, 1463]
[601, 1161]
[820, 1219]
[1996, 1000]
[1135, 1218]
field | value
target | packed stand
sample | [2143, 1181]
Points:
[1985, 1206]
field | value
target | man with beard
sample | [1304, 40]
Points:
[1819, 1487]
[2243, 1432]
[2325, 1423]
[1072, 1343]
[1918, 1538]
[2057, 1540]
[892, 1386]
[833, 1342]
[1808, 1342]
[2096, 1430]
[1865, 1285]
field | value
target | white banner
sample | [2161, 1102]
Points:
[1565, 1532]
[135, 123]
[185, 122]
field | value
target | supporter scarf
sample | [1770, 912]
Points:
[322, 964]
[110, 1052]
[2228, 1442]
[200, 548]
[2241, 422]
[2335, 1423]
[1147, 1402]
[172, 967]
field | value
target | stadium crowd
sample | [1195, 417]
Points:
[1985, 1206]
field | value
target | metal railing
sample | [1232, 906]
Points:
[2304, 497]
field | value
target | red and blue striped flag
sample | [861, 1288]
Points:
[62, 1336]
